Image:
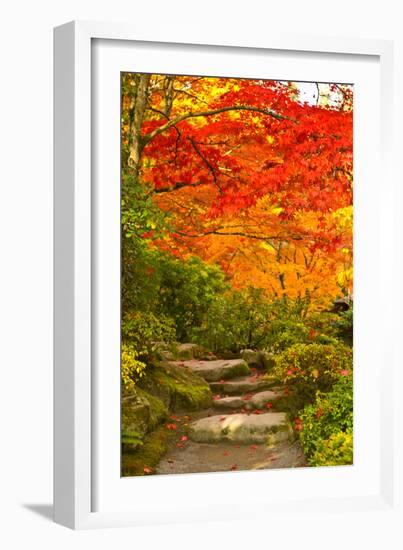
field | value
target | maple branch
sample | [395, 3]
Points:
[206, 162]
[180, 185]
[148, 137]
[238, 234]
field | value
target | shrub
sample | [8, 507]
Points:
[131, 368]
[325, 427]
[144, 331]
[284, 333]
[186, 291]
[235, 320]
[308, 368]
[337, 450]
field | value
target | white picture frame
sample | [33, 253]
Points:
[77, 472]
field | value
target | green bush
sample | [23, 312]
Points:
[131, 368]
[145, 331]
[235, 320]
[187, 288]
[337, 450]
[308, 368]
[322, 423]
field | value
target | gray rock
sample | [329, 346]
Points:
[244, 384]
[270, 428]
[260, 400]
[220, 369]
[188, 351]
[267, 360]
[251, 357]
[233, 402]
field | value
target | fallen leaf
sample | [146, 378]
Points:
[226, 453]
[234, 467]
[171, 426]
[184, 438]
[147, 470]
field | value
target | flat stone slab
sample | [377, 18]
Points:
[242, 384]
[220, 369]
[270, 428]
[233, 402]
[260, 399]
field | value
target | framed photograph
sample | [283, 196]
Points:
[214, 203]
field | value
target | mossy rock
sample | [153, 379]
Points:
[146, 457]
[179, 388]
[141, 413]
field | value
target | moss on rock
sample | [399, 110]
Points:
[141, 413]
[178, 387]
[146, 457]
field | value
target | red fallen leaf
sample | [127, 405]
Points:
[171, 426]
[344, 372]
[222, 418]
[243, 410]
[180, 445]
[234, 467]
[269, 405]
[253, 369]
[247, 397]
[147, 470]
[222, 381]
[215, 397]
[226, 453]
[311, 334]
[257, 411]
[254, 447]
[174, 417]
[289, 372]
[184, 438]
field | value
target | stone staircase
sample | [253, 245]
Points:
[243, 399]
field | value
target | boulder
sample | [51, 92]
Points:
[260, 359]
[188, 351]
[251, 357]
[267, 360]
[141, 413]
[179, 388]
[268, 428]
[219, 369]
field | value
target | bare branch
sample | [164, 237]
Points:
[148, 137]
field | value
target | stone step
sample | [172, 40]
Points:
[269, 428]
[242, 384]
[248, 401]
[219, 369]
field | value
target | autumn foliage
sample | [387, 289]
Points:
[245, 175]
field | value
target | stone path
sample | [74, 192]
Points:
[240, 432]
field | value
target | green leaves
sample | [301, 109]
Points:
[327, 426]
